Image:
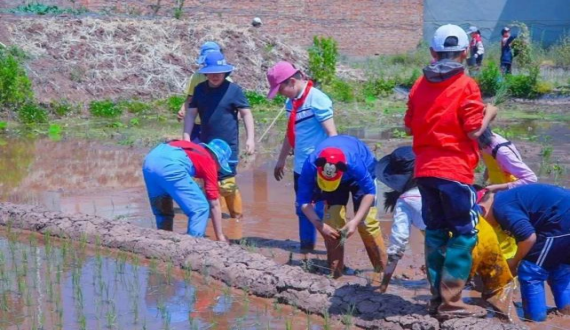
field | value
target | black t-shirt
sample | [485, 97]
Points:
[218, 110]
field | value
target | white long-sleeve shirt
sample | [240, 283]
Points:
[408, 211]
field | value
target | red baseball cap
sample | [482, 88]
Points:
[278, 74]
[331, 164]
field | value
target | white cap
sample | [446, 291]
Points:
[446, 31]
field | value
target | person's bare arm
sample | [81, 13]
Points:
[183, 108]
[360, 216]
[323, 228]
[329, 127]
[489, 115]
[249, 126]
[189, 119]
[280, 164]
[216, 214]
[523, 248]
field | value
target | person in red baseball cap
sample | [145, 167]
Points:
[340, 166]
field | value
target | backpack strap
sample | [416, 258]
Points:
[505, 144]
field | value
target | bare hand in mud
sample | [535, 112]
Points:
[329, 232]
[350, 228]
[250, 146]
[279, 170]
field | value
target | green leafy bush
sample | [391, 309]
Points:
[63, 108]
[105, 109]
[31, 113]
[134, 106]
[490, 79]
[340, 90]
[561, 52]
[523, 85]
[174, 103]
[15, 86]
[323, 59]
[411, 79]
[257, 99]
[379, 87]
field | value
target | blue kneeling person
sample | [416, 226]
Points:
[537, 215]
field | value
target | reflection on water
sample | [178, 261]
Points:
[68, 287]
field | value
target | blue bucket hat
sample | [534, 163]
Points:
[215, 63]
[396, 169]
[222, 151]
[207, 47]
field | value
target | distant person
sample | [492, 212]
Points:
[170, 170]
[476, 48]
[218, 102]
[195, 79]
[507, 55]
[310, 122]
[340, 166]
[445, 117]
[537, 215]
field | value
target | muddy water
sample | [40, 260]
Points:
[46, 284]
[87, 177]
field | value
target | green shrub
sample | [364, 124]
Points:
[379, 87]
[15, 86]
[490, 79]
[340, 90]
[174, 103]
[543, 87]
[411, 79]
[134, 106]
[105, 109]
[561, 52]
[323, 59]
[523, 85]
[31, 113]
[63, 108]
[256, 99]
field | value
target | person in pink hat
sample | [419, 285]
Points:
[310, 114]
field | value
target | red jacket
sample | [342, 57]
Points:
[440, 116]
[205, 166]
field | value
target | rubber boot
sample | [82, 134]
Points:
[234, 204]
[335, 256]
[455, 273]
[164, 212]
[334, 216]
[434, 248]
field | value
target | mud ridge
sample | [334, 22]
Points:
[237, 267]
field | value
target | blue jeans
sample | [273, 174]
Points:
[307, 231]
[168, 174]
[532, 278]
[448, 205]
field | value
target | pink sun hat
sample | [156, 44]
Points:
[278, 74]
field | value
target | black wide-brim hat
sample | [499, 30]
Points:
[396, 169]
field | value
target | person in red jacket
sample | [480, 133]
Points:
[445, 116]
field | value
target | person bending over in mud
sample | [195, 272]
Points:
[537, 215]
[169, 171]
[339, 166]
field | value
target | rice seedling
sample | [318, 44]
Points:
[326, 319]
[347, 318]
[288, 324]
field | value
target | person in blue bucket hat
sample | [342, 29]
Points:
[195, 79]
[169, 171]
[218, 102]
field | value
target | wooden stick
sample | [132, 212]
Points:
[271, 125]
